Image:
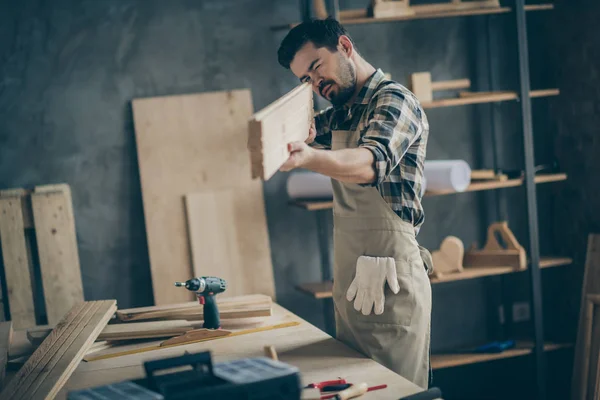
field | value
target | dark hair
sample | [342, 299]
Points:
[321, 32]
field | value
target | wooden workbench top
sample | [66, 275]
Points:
[318, 356]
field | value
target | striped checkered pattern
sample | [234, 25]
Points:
[394, 127]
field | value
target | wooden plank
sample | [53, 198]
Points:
[6, 334]
[454, 6]
[25, 204]
[145, 330]
[270, 130]
[223, 243]
[590, 286]
[249, 306]
[451, 85]
[58, 252]
[191, 144]
[49, 367]
[16, 262]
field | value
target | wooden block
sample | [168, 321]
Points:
[421, 86]
[454, 6]
[497, 254]
[192, 144]
[58, 252]
[51, 365]
[228, 241]
[449, 258]
[270, 130]
[16, 262]
[391, 8]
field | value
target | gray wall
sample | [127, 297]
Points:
[69, 69]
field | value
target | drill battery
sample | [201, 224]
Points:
[193, 376]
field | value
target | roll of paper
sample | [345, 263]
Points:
[454, 175]
[309, 185]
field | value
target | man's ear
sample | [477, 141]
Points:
[346, 46]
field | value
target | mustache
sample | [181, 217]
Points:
[323, 84]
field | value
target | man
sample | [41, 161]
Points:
[372, 143]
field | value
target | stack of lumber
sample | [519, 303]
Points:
[38, 224]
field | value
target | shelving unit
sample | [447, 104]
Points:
[523, 96]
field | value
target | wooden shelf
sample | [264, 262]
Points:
[440, 361]
[360, 19]
[473, 187]
[468, 98]
[323, 290]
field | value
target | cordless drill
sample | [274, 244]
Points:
[206, 288]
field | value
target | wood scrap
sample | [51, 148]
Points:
[178, 154]
[423, 87]
[589, 288]
[250, 306]
[390, 8]
[501, 249]
[196, 335]
[286, 120]
[50, 366]
[159, 346]
[449, 258]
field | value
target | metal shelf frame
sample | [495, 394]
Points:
[323, 215]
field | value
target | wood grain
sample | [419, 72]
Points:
[6, 335]
[49, 367]
[186, 144]
[16, 262]
[57, 250]
[221, 230]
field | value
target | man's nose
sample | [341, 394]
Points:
[317, 84]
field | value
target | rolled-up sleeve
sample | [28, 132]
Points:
[394, 123]
[322, 123]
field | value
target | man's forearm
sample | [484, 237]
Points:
[346, 165]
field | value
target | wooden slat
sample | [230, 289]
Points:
[222, 231]
[145, 330]
[590, 286]
[452, 7]
[450, 85]
[25, 204]
[323, 290]
[180, 152]
[16, 262]
[58, 252]
[49, 367]
[6, 334]
[270, 130]
[249, 306]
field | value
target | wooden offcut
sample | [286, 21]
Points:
[195, 144]
[496, 254]
[249, 306]
[449, 258]
[57, 250]
[271, 129]
[422, 85]
[391, 8]
[50, 366]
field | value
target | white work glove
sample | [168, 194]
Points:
[367, 287]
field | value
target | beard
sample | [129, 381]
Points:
[346, 83]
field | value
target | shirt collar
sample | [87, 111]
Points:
[367, 91]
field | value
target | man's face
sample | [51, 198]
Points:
[331, 74]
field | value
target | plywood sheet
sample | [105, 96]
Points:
[188, 144]
[223, 228]
[57, 250]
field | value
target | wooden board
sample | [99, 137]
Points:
[590, 286]
[145, 330]
[50, 366]
[57, 250]
[194, 143]
[270, 130]
[16, 262]
[249, 306]
[221, 231]
[6, 334]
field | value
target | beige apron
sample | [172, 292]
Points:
[364, 224]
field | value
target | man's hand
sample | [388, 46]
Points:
[312, 133]
[301, 155]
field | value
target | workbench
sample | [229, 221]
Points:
[318, 356]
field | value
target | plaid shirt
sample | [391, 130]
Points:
[394, 127]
